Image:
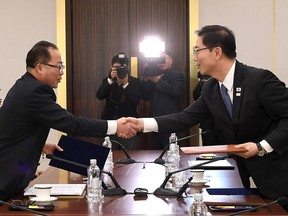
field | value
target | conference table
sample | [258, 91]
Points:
[143, 174]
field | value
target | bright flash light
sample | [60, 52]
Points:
[151, 46]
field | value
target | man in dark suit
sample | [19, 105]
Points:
[164, 90]
[259, 118]
[122, 93]
[30, 110]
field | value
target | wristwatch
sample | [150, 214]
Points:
[261, 150]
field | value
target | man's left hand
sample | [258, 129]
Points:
[250, 147]
[49, 148]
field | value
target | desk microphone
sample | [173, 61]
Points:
[282, 201]
[184, 187]
[160, 160]
[127, 160]
[118, 190]
[108, 192]
[22, 208]
[162, 191]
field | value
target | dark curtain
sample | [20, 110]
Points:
[99, 29]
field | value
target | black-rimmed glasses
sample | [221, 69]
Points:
[197, 51]
[20, 202]
[59, 67]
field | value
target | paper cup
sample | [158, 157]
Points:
[43, 191]
[198, 175]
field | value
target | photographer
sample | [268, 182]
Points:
[122, 93]
[163, 87]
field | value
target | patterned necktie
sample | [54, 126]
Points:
[226, 99]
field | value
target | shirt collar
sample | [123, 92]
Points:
[229, 79]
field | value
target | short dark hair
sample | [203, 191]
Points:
[168, 53]
[219, 36]
[122, 61]
[39, 53]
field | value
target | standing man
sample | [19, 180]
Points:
[164, 91]
[249, 107]
[122, 93]
[28, 113]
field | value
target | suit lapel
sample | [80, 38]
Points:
[239, 89]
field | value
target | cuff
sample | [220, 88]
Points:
[150, 125]
[266, 146]
[112, 127]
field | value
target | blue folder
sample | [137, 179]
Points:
[80, 152]
[233, 191]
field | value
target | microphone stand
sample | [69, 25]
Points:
[128, 159]
[162, 191]
[113, 191]
[160, 160]
[108, 192]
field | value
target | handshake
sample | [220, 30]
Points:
[128, 127]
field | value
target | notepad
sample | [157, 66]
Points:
[60, 190]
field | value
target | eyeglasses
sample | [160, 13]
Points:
[197, 51]
[21, 203]
[59, 67]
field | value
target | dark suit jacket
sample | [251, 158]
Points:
[28, 113]
[120, 102]
[260, 111]
[165, 96]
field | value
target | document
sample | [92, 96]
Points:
[60, 190]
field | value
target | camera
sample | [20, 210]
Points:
[151, 66]
[122, 70]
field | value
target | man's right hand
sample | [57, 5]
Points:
[127, 127]
[113, 73]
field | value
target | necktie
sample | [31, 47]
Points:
[226, 99]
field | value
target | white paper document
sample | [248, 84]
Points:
[60, 190]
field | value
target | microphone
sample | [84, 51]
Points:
[162, 191]
[281, 201]
[184, 187]
[127, 160]
[108, 192]
[160, 160]
[22, 208]
[113, 191]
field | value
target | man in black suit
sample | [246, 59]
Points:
[164, 90]
[122, 93]
[259, 118]
[30, 110]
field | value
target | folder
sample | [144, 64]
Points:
[212, 149]
[216, 165]
[80, 152]
[232, 196]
